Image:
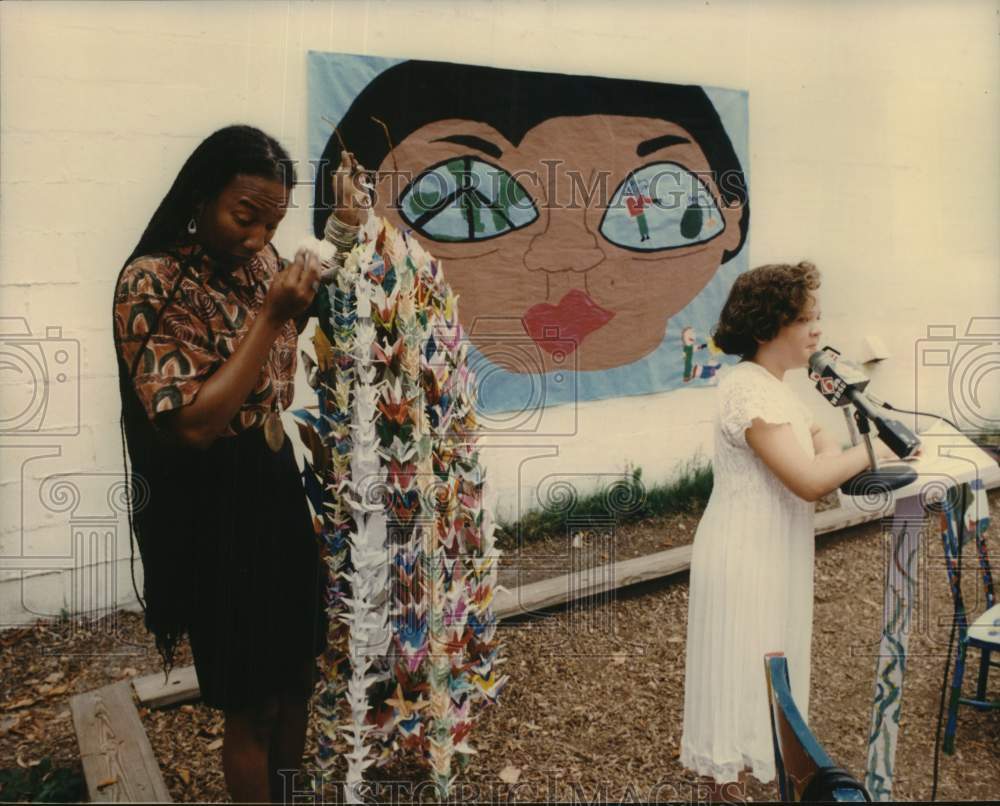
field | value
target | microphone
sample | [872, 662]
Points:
[842, 382]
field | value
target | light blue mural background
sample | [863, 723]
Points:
[336, 79]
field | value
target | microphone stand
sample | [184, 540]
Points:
[852, 430]
[876, 479]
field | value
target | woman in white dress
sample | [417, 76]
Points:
[751, 587]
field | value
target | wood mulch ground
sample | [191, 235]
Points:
[593, 708]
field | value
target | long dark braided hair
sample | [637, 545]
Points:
[160, 515]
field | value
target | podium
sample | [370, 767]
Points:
[949, 459]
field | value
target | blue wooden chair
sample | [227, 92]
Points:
[806, 774]
[965, 515]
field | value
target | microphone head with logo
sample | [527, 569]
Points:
[836, 377]
[842, 382]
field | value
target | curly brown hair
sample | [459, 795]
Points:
[761, 302]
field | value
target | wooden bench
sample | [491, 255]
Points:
[118, 762]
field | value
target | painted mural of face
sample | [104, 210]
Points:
[586, 236]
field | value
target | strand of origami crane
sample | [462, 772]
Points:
[388, 300]
[405, 452]
[442, 567]
[448, 711]
[370, 632]
[478, 535]
[474, 525]
[484, 648]
[329, 440]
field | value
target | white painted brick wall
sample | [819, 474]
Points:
[873, 133]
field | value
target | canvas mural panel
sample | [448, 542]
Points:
[591, 226]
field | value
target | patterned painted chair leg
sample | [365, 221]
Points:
[984, 671]
[897, 608]
[956, 694]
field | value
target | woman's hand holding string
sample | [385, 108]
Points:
[292, 290]
[352, 201]
[351, 191]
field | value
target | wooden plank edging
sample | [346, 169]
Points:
[156, 691]
[118, 761]
[589, 582]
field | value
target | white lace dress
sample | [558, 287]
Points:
[751, 588]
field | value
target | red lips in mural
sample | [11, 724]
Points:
[566, 325]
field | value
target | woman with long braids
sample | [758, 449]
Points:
[206, 320]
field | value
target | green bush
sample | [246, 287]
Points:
[42, 784]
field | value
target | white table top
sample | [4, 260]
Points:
[948, 457]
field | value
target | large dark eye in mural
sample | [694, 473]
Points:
[661, 206]
[466, 199]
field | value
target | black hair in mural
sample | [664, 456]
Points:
[413, 94]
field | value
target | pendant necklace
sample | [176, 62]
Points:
[274, 432]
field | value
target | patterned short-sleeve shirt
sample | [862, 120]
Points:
[209, 316]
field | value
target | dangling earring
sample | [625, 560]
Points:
[192, 226]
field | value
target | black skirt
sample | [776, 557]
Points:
[258, 615]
